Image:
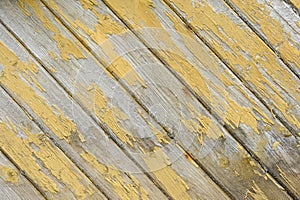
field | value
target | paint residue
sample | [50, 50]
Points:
[12, 78]
[28, 153]
[9, 174]
[159, 164]
[125, 189]
[64, 45]
[256, 193]
[273, 81]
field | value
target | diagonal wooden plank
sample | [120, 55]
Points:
[259, 68]
[135, 59]
[77, 135]
[13, 184]
[279, 31]
[246, 168]
[41, 161]
[191, 181]
[70, 20]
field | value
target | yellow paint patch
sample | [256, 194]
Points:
[138, 11]
[275, 145]
[123, 188]
[296, 3]
[65, 45]
[236, 114]
[27, 153]
[272, 29]
[200, 125]
[12, 78]
[105, 27]
[233, 42]
[9, 174]
[113, 117]
[21, 152]
[159, 164]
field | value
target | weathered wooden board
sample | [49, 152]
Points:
[277, 25]
[191, 181]
[76, 134]
[13, 185]
[42, 162]
[180, 95]
[84, 29]
[237, 45]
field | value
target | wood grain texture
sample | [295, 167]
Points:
[166, 165]
[236, 44]
[40, 160]
[77, 135]
[85, 28]
[13, 185]
[289, 145]
[277, 24]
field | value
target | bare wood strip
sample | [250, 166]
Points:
[282, 38]
[167, 170]
[13, 185]
[291, 143]
[78, 136]
[90, 31]
[41, 161]
[258, 68]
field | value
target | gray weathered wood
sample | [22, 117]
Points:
[13, 185]
[233, 153]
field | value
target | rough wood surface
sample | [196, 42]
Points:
[77, 135]
[71, 20]
[236, 44]
[166, 170]
[277, 24]
[105, 51]
[37, 157]
[13, 185]
[70, 95]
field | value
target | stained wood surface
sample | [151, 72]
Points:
[139, 106]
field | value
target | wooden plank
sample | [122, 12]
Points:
[13, 185]
[268, 157]
[259, 68]
[77, 135]
[180, 95]
[40, 160]
[274, 28]
[177, 175]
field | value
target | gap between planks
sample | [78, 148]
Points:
[44, 131]
[257, 95]
[138, 101]
[264, 39]
[106, 129]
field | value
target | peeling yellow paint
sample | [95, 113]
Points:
[11, 78]
[106, 26]
[262, 71]
[275, 145]
[236, 114]
[9, 174]
[280, 38]
[159, 164]
[113, 117]
[64, 45]
[257, 193]
[200, 125]
[125, 189]
[28, 153]
[21, 152]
